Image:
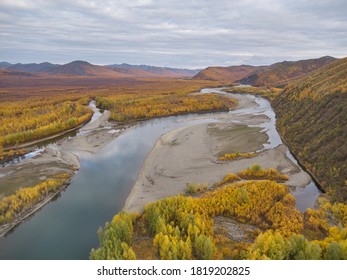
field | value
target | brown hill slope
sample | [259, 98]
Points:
[83, 68]
[226, 74]
[312, 119]
[282, 73]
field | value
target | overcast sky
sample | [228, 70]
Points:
[182, 33]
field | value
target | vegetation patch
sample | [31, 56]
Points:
[13, 206]
[139, 106]
[193, 188]
[236, 156]
[255, 172]
[36, 118]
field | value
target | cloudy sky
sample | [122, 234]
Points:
[182, 33]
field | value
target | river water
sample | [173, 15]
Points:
[66, 227]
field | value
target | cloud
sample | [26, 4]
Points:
[172, 33]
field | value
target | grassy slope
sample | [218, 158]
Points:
[282, 73]
[225, 74]
[312, 120]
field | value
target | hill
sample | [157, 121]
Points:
[282, 73]
[4, 65]
[226, 74]
[33, 67]
[312, 120]
[275, 75]
[147, 70]
[82, 68]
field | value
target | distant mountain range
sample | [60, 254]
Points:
[83, 68]
[278, 74]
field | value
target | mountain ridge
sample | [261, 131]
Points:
[84, 68]
[282, 73]
[278, 74]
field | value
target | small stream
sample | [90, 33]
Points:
[66, 227]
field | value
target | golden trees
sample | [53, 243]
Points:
[115, 239]
[273, 245]
[125, 107]
[29, 120]
[181, 227]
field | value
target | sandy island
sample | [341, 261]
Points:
[189, 155]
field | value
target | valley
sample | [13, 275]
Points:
[148, 135]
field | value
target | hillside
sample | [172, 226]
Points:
[312, 120]
[281, 73]
[226, 74]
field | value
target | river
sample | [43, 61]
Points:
[66, 227]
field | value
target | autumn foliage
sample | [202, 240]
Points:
[236, 156]
[139, 106]
[24, 121]
[49, 111]
[311, 118]
[182, 227]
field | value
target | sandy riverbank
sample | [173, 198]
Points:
[189, 155]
